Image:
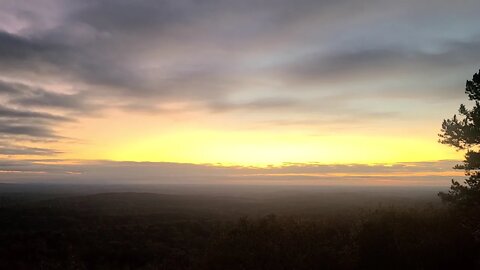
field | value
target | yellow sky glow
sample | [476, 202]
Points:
[161, 139]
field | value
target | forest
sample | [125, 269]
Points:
[290, 228]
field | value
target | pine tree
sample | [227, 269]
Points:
[463, 133]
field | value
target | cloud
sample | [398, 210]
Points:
[27, 96]
[106, 42]
[18, 119]
[260, 104]
[28, 55]
[35, 131]
[45, 99]
[14, 113]
[437, 173]
[16, 150]
[391, 64]
[205, 52]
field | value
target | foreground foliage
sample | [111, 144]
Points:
[463, 133]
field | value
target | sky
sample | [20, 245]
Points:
[307, 91]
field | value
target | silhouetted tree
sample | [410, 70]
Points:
[463, 133]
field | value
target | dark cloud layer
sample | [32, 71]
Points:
[33, 130]
[368, 64]
[107, 43]
[13, 113]
[19, 117]
[15, 150]
[109, 172]
[195, 51]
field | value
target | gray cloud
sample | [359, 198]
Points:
[260, 104]
[103, 172]
[20, 118]
[14, 113]
[29, 55]
[390, 63]
[108, 46]
[25, 122]
[28, 123]
[10, 88]
[33, 131]
[27, 96]
[16, 150]
[41, 98]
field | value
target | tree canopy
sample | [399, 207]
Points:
[462, 131]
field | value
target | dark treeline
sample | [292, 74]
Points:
[155, 231]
